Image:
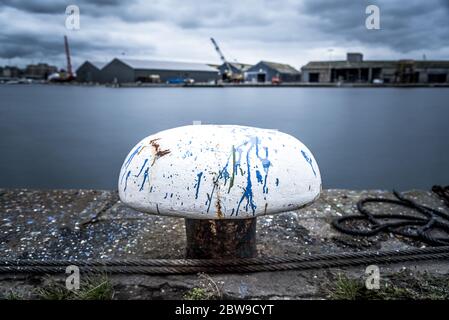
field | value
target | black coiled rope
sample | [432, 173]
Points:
[422, 227]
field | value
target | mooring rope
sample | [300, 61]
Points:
[186, 266]
[422, 228]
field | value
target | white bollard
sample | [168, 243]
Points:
[219, 172]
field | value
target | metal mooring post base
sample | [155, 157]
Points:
[225, 238]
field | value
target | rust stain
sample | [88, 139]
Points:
[162, 153]
[218, 208]
[220, 214]
[158, 153]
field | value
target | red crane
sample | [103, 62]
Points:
[69, 63]
[66, 76]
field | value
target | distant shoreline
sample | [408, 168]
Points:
[245, 85]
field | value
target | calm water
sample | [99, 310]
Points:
[77, 137]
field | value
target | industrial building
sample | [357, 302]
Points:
[39, 71]
[356, 70]
[128, 70]
[9, 72]
[90, 71]
[266, 71]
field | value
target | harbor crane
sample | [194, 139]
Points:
[67, 75]
[69, 62]
[229, 74]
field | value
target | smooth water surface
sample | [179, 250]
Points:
[362, 138]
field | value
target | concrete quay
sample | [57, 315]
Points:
[94, 224]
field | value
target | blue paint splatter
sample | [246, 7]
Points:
[145, 176]
[197, 184]
[259, 176]
[225, 174]
[248, 194]
[209, 198]
[277, 182]
[188, 153]
[141, 169]
[309, 160]
[131, 156]
[265, 164]
[126, 181]
[123, 177]
[126, 165]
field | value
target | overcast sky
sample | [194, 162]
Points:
[293, 32]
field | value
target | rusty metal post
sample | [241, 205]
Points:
[221, 238]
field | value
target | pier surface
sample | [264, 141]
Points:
[94, 224]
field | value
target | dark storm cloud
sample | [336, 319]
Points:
[30, 46]
[405, 25]
[58, 6]
[195, 14]
[24, 45]
[31, 28]
[445, 4]
[33, 6]
[34, 30]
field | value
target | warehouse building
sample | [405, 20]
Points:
[355, 70]
[90, 72]
[266, 71]
[128, 70]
